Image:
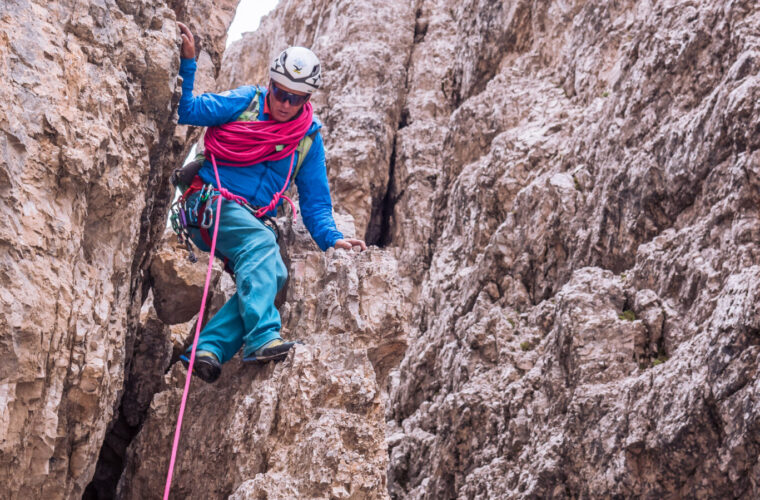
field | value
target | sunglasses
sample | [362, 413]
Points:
[285, 96]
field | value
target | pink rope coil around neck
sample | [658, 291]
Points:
[247, 143]
[244, 143]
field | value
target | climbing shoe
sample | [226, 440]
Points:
[206, 366]
[274, 350]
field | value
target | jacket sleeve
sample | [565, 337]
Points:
[314, 197]
[208, 110]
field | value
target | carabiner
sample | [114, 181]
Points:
[206, 191]
[208, 216]
[181, 213]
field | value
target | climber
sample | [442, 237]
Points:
[250, 318]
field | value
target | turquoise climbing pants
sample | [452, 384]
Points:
[249, 317]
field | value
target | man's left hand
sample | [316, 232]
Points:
[349, 243]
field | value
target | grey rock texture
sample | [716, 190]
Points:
[177, 283]
[562, 303]
[588, 322]
[87, 133]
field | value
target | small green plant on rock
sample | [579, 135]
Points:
[526, 346]
[627, 315]
[660, 359]
[650, 362]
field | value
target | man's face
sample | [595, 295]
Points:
[284, 103]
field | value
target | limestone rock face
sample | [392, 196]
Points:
[345, 292]
[593, 253]
[286, 429]
[177, 283]
[562, 300]
[310, 427]
[87, 132]
[572, 207]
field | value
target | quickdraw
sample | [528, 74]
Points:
[201, 215]
[180, 226]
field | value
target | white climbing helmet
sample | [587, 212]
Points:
[297, 68]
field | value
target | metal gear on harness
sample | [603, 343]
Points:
[201, 216]
[179, 222]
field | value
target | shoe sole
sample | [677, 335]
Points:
[265, 358]
[205, 370]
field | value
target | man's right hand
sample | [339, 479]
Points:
[350, 243]
[188, 42]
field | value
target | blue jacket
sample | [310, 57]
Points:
[260, 181]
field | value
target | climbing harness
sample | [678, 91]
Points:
[244, 143]
[197, 212]
[182, 216]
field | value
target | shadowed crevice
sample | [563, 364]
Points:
[379, 227]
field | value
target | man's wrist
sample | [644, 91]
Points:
[336, 238]
[187, 69]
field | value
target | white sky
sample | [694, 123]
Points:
[248, 16]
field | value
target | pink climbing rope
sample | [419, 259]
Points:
[243, 143]
[247, 143]
[276, 198]
[177, 430]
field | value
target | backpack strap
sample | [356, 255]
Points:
[303, 150]
[251, 114]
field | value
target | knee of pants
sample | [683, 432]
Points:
[257, 244]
